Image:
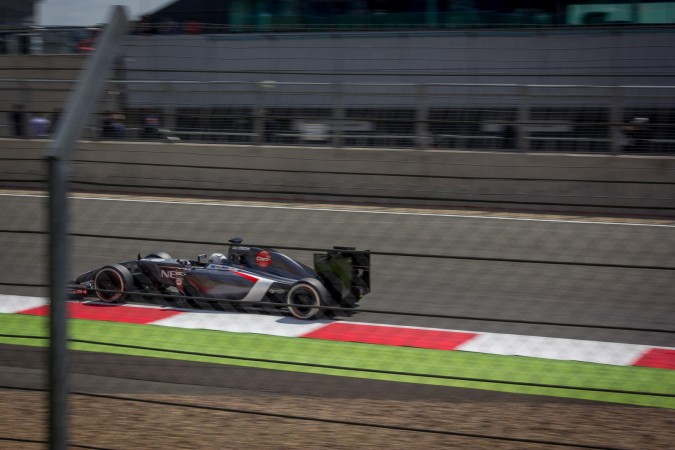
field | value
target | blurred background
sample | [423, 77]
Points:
[509, 165]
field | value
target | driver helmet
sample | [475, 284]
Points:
[217, 258]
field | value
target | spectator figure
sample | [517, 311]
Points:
[509, 141]
[146, 27]
[193, 27]
[18, 120]
[637, 135]
[54, 119]
[88, 43]
[39, 126]
[169, 26]
[119, 130]
[112, 126]
[150, 127]
[107, 131]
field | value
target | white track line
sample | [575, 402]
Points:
[10, 304]
[617, 354]
[243, 323]
[360, 211]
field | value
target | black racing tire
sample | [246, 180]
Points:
[309, 293]
[113, 278]
[158, 255]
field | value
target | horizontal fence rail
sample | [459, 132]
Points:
[492, 117]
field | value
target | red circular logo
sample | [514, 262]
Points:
[263, 258]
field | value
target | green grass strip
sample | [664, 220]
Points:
[513, 374]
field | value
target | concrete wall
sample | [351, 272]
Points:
[597, 57]
[547, 56]
[592, 57]
[542, 182]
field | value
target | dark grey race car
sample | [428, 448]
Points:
[239, 280]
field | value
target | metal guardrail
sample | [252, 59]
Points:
[589, 119]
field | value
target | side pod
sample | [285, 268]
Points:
[345, 272]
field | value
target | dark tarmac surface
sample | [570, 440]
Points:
[499, 293]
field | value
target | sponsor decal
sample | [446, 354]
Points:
[263, 258]
[171, 274]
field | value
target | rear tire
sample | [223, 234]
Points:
[307, 294]
[113, 278]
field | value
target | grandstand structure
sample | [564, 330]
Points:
[293, 15]
[17, 13]
[558, 75]
[545, 75]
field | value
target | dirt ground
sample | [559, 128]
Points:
[239, 408]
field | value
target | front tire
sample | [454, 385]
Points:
[112, 278]
[305, 297]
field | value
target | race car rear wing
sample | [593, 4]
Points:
[345, 272]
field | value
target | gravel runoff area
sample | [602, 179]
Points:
[135, 403]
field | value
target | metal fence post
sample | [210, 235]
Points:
[422, 119]
[26, 96]
[169, 109]
[522, 125]
[615, 120]
[80, 105]
[338, 115]
[258, 113]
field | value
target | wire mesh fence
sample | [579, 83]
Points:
[553, 292]
[322, 274]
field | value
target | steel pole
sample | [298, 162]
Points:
[80, 105]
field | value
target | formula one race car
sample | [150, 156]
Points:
[247, 278]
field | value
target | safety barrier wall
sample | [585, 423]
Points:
[544, 182]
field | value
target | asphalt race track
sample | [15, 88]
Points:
[136, 402]
[610, 297]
